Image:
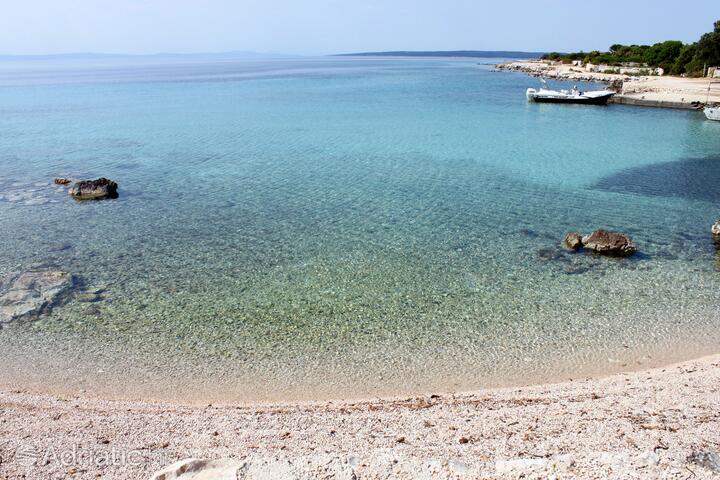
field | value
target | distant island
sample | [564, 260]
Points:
[448, 53]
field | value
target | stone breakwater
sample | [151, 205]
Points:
[646, 91]
[560, 72]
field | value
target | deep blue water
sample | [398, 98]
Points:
[346, 226]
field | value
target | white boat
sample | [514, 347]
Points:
[712, 113]
[545, 95]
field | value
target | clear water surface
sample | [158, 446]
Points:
[346, 227]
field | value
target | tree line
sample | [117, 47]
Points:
[673, 56]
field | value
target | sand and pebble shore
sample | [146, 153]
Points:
[661, 423]
[652, 90]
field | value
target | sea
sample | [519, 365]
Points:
[298, 229]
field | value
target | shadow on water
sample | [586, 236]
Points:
[694, 179]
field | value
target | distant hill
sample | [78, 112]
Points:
[448, 53]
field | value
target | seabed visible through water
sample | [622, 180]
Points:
[340, 228]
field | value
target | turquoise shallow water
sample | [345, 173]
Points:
[328, 228]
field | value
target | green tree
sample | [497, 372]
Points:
[673, 56]
[708, 51]
[683, 59]
[663, 54]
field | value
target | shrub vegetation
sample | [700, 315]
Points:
[673, 56]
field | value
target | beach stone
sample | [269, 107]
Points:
[31, 293]
[94, 189]
[706, 459]
[609, 243]
[519, 465]
[573, 240]
[715, 229]
[194, 469]
[62, 181]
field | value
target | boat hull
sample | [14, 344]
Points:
[598, 100]
[712, 113]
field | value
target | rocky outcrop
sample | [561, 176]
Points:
[560, 72]
[715, 229]
[31, 293]
[609, 243]
[573, 241]
[601, 241]
[94, 189]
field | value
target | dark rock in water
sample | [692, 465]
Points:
[88, 297]
[59, 247]
[31, 293]
[715, 229]
[573, 240]
[609, 243]
[93, 311]
[94, 189]
[576, 269]
[62, 181]
[550, 253]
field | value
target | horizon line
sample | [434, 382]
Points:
[464, 52]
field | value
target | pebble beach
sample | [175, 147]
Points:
[659, 423]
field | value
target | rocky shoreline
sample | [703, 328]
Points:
[646, 91]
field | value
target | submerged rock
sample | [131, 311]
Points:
[94, 189]
[88, 297]
[62, 181]
[715, 229]
[573, 240]
[26, 195]
[550, 253]
[609, 243]
[31, 293]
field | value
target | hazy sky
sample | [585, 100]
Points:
[332, 26]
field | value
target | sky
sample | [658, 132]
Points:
[318, 27]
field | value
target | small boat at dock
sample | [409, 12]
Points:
[712, 113]
[545, 95]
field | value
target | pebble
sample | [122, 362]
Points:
[88, 297]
